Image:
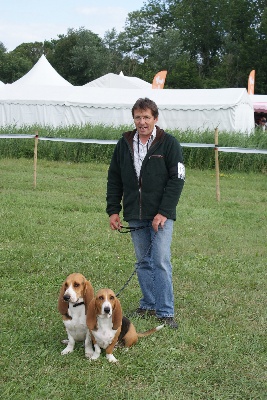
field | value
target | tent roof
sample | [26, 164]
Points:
[118, 81]
[175, 99]
[259, 102]
[42, 74]
[1, 83]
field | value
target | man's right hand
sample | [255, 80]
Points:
[115, 222]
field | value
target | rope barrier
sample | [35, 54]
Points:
[97, 141]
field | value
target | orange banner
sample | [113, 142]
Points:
[159, 80]
[251, 82]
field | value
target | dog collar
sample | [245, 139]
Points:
[78, 304]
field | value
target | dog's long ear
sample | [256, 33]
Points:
[62, 305]
[117, 314]
[91, 315]
[88, 294]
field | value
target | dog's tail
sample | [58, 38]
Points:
[150, 331]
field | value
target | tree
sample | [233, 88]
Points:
[13, 67]
[60, 53]
[3, 49]
[89, 57]
[80, 56]
[29, 51]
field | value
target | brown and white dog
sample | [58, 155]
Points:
[107, 325]
[74, 297]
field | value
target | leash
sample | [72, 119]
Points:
[129, 229]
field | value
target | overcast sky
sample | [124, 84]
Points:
[23, 21]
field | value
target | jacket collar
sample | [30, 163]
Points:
[160, 133]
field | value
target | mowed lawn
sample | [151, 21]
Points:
[219, 254]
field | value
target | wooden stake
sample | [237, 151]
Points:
[35, 160]
[218, 194]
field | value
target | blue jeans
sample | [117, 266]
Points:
[154, 269]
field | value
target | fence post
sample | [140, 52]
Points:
[35, 160]
[218, 194]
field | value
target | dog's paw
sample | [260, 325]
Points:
[65, 341]
[111, 358]
[95, 356]
[89, 354]
[67, 350]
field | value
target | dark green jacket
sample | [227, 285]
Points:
[160, 185]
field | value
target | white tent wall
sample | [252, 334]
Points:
[228, 109]
[33, 114]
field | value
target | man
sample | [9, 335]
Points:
[147, 175]
[263, 123]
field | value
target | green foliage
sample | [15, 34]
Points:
[219, 273]
[3, 49]
[30, 51]
[13, 67]
[80, 56]
[202, 158]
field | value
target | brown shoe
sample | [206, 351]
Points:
[143, 312]
[169, 321]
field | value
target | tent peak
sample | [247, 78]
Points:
[42, 74]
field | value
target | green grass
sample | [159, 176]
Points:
[219, 257]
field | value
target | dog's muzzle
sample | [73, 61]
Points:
[107, 310]
[66, 297]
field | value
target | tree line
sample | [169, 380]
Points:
[201, 43]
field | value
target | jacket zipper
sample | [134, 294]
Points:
[139, 181]
[140, 197]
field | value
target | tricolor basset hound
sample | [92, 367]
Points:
[74, 297]
[107, 325]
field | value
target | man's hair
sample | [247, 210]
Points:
[144, 104]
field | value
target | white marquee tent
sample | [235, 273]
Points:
[42, 74]
[119, 81]
[1, 83]
[198, 109]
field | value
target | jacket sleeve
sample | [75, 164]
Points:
[114, 184]
[176, 170]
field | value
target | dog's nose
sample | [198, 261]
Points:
[66, 297]
[107, 310]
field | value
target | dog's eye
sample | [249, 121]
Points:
[112, 298]
[76, 284]
[101, 297]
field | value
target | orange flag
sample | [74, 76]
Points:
[251, 82]
[159, 80]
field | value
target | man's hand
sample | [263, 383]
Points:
[159, 219]
[115, 222]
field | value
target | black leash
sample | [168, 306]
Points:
[128, 229]
[132, 229]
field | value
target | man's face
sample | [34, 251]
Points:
[144, 122]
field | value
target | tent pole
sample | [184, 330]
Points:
[218, 194]
[35, 160]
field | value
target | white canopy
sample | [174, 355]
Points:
[1, 83]
[198, 109]
[259, 103]
[42, 74]
[119, 81]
